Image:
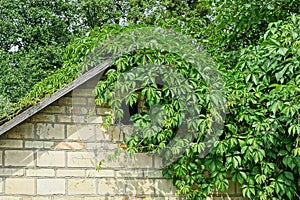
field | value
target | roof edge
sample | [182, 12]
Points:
[47, 101]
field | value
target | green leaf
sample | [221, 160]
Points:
[275, 42]
[289, 175]
[236, 161]
[260, 178]
[270, 6]
[280, 74]
[282, 51]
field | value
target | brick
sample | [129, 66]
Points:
[19, 186]
[91, 101]
[119, 162]
[70, 173]
[67, 198]
[51, 186]
[164, 187]
[83, 93]
[11, 198]
[11, 172]
[42, 118]
[100, 145]
[34, 144]
[38, 144]
[54, 110]
[72, 101]
[115, 133]
[81, 159]
[153, 173]
[69, 145]
[65, 100]
[11, 144]
[64, 118]
[92, 82]
[139, 187]
[130, 173]
[36, 198]
[51, 158]
[81, 186]
[71, 119]
[78, 110]
[50, 131]
[102, 134]
[101, 173]
[19, 158]
[158, 163]
[24, 130]
[82, 132]
[78, 101]
[91, 111]
[103, 111]
[40, 172]
[111, 187]
[48, 145]
[140, 160]
[93, 119]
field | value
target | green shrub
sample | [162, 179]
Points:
[260, 143]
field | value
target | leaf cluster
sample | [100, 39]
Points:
[260, 144]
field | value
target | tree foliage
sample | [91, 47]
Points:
[239, 23]
[98, 12]
[33, 35]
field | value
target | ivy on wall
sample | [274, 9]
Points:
[260, 143]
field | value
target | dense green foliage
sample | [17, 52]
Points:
[241, 23]
[260, 146]
[255, 46]
[34, 34]
[260, 143]
[73, 58]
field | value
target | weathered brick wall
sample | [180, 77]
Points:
[53, 156]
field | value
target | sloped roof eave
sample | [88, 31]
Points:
[57, 95]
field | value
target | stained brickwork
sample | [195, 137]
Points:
[54, 154]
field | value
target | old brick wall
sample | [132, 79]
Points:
[53, 156]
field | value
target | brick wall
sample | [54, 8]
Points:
[53, 156]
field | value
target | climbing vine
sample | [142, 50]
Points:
[259, 146]
[260, 143]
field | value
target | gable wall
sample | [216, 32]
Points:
[53, 156]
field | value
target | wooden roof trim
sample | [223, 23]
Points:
[57, 95]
